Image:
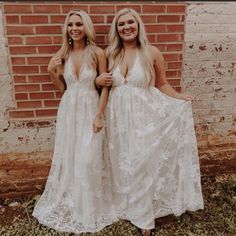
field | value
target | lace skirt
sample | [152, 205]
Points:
[153, 153]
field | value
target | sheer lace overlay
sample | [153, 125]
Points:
[152, 149]
[77, 195]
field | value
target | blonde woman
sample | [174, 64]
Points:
[152, 144]
[76, 197]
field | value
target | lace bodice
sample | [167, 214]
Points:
[135, 77]
[84, 80]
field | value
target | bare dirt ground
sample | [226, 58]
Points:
[217, 219]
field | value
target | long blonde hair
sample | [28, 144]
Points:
[66, 48]
[115, 50]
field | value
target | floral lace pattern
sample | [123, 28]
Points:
[77, 195]
[152, 149]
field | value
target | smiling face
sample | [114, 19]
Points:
[75, 28]
[127, 27]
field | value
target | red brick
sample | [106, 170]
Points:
[18, 60]
[51, 103]
[55, 29]
[155, 28]
[12, 19]
[176, 9]
[14, 40]
[43, 69]
[102, 9]
[149, 19]
[174, 47]
[171, 57]
[29, 104]
[46, 112]
[38, 60]
[180, 57]
[178, 89]
[174, 82]
[67, 8]
[25, 69]
[100, 39]
[21, 96]
[22, 50]
[171, 74]
[26, 88]
[168, 18]
[19, 79]
[179, 73]
[46, 8]
[39, 40]
[151, 38]
[19, 30]
[38, 78]
[48, 87]
[110, 18]
[135, 7]
[174, 65]
[58, 94]
[175, 28]
[58, 19]
[48, 49]
[35, 19]
[101, 29]
[21, 114]
[41, 95]
[154, 8]
[97, 18]
[57, 40]
[168, 37]
[17, 8]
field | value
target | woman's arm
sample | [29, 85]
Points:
[102, 67]
[54, 69]
[161, 81]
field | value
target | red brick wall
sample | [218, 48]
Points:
[33, 32]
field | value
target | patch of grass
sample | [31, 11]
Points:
[217, 219]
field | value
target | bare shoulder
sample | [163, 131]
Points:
[154, 52]
[99, 52]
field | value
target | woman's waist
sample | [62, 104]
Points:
[81, 87]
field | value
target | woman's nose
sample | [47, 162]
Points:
[126, 26]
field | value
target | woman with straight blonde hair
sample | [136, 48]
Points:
[152, 144]
[77, 194]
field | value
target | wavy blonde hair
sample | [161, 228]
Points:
[66, 48]
[115, 50]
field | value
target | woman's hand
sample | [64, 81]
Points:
[53, 64]
[104, 79]
[186, 97]
[98, 123]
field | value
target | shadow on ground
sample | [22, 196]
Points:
[217, 219]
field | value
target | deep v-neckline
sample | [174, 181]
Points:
[76, 76]
[131, 68]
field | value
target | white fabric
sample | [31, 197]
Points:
[153, 150]
[77, 195]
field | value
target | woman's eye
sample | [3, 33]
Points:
[79, 24]
[70, 24]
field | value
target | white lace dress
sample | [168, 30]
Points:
[77, 193]
[152, 149]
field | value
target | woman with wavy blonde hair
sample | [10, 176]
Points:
[152, 143]
[77, 194]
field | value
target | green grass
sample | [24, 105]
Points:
[217, 219]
